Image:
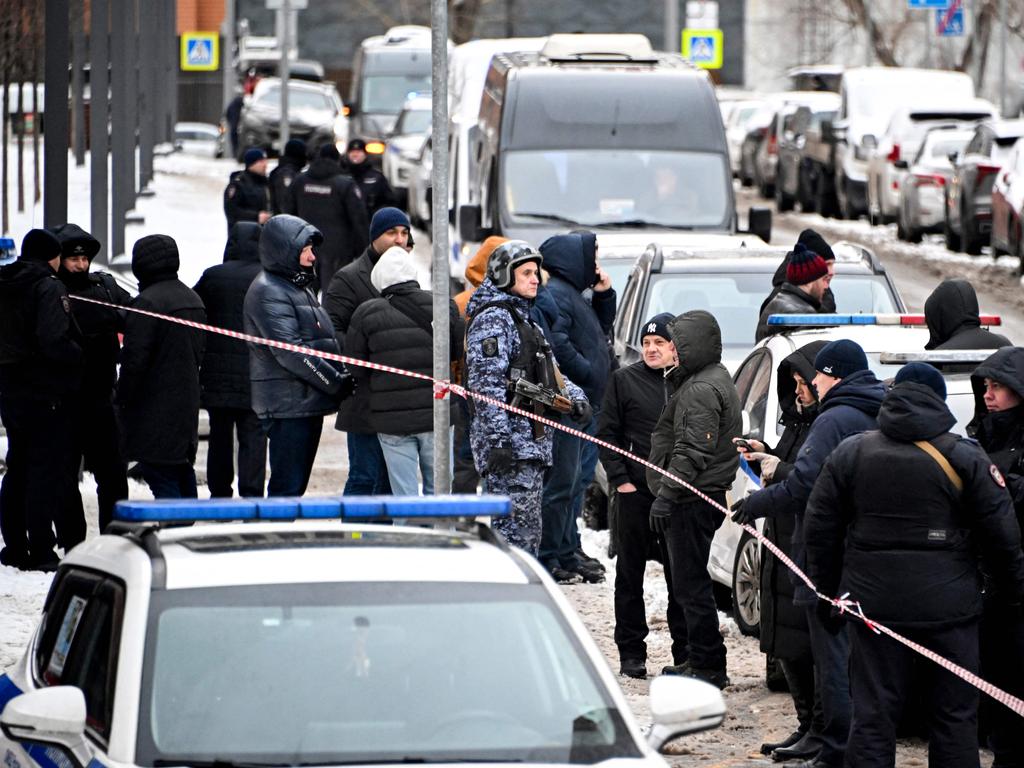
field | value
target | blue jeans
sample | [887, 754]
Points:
[367, 473]
[558, 529]
[403, 456]
[170, 481]
[293, 446]
[832, 680]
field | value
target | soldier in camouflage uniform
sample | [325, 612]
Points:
[502, 344]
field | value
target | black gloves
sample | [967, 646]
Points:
[347, 387]
[499, 459]
[740, 515]
[830, 617]
[661, 515]
[581, 412]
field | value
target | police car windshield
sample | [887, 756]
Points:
[385, 94]
[591, 187]
[384, 672]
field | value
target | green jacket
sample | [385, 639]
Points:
[693, 437]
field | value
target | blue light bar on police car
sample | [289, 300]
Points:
[892, 318]
[362, 508]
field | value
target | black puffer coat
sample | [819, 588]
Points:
[224, 376]
[280, 305]
[886, 524]
[376, 192]
[693, 437]
[382, 333]
[1001, 434]
[282, 198]
[158, 391]
[953, 319]
[790, 300]
[246, 194]
[632, 405]
[783, 625]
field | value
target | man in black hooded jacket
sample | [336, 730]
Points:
[952, 314]
[898, 518]
[224, 375]
[40, 369]
[158, 392]
[97, 439]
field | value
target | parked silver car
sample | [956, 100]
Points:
[923, 186]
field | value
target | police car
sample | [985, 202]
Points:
[301, 632]
[890, 341]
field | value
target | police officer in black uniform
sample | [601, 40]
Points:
[95, 425]
[288, 167]
[898, 518]
[247, 195]
[40, 363]
[377, 193]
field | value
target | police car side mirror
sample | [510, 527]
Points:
[53, 717]
[680, 706]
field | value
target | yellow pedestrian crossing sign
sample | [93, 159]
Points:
[200, 51]
[703, 47]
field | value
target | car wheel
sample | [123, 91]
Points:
[952, 238]
[783, 202]
[746, 585]
[595, 508]
[774, 677]
[969, 239]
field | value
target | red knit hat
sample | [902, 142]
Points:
[805, 266]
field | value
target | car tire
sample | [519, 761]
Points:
[952, 238]
[970, 241]
[746, 585]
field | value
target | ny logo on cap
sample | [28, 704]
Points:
[652, 328]
[827, 369]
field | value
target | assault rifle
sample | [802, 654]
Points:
[537, 398]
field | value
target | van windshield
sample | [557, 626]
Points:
[385, 94]
[591, 187]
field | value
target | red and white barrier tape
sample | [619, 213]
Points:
[442, 387]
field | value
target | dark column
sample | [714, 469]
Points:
[120, 140]
[98, 115]
[132, 46]
[172, 64]
[78, 82]
[148, 114]
[55, 108]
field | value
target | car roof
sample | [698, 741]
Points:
[306, 551]
[764, 260]
[636, 241]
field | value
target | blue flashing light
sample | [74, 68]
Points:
[362, 508]
[820, 320]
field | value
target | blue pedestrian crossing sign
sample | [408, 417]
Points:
[949, 22]
[200, 51]
[703, 47]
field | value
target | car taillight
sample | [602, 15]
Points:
[773, 145]
[985, 171]
[894, 154]
[929, 180]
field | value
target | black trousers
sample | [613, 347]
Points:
[1002, 664]
[799, 673]
[880, 674]
[688, 545]
[252, 452]
[41, 481]
[97, 443]
[636, 542]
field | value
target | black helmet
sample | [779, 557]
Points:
[506, 257]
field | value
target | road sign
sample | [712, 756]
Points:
[703, 47]
[950, 22]
[200, 51]
[928, 3]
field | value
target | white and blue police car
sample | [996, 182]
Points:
[302, 632]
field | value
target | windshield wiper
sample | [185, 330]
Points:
[639, 224]
[549, 217]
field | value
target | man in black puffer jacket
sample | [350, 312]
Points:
[693, 441]
[326, 197]
[952, 314]
[158, 392]
[898, 519]
[291, 391]
[396, 329]
[224, 376]
[97, 440]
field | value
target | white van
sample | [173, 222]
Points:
[868, 98]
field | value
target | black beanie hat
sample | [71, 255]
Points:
[805, 266]
[815, 242]
[329, 152]
[922, 373]
[295, 149]
[39, 245]
[658, 326]
[155, 258]
[75, 241]
[356, 144]
[841, 358]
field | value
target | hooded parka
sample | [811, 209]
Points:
[952, 314]
[1001, 433]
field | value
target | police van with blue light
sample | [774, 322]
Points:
[890, 340]
[300, 632]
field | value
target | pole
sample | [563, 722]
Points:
[439, 228]
[78, 83]
[672, 41]
[55, 108]
[118, 124]
[1002, 58]
[227, 55]
[284, 40]
[98, 110]
[148, 96]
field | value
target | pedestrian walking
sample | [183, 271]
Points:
[954, 321]
[783, 631]
[291, 391]
[998, 426]
[290, 165]
[898, 519]
[40, 371]
[578, 330]
[397, 330]
[693, 441]
[807, 279]
[632, 404]
[376, 191]
[247, 195]
[225, 389]
[328, 198]
[503, 347]
[350, 287]
[233, 116]
[97, 440]
[814, 242]
[158, 390]
[849, 397]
